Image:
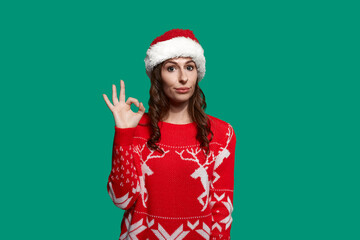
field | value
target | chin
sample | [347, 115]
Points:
[180, 100]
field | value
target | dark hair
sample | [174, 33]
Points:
[159, 105]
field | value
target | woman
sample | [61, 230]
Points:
[173, 167]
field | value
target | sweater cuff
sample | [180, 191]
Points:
[124, 136]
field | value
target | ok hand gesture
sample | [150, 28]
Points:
[124, 117]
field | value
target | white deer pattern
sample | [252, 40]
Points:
[224, 153]
[145, 169]
[200, 172]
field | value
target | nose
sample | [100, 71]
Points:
[183, 76]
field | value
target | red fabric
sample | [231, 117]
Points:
[173, 33]
[178, 194]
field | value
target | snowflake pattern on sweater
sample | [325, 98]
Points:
[181, 193]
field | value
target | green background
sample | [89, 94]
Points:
[284, 74]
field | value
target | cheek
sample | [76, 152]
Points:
[195, 72]
[168, 79]
[167, 90]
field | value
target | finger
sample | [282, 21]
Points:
[132, 100]
[114, 95]
[108, 103]
[141, 108]
[122, 91]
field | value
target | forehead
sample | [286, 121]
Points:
[179, 60]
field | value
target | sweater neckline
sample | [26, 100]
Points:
[177, 134]
[177, 125]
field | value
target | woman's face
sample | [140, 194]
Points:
[179, 73]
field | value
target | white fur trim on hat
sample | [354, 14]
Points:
[172, 48]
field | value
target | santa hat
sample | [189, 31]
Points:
[175, 43]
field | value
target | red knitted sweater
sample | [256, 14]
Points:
[178, 194]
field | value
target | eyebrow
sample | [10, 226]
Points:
[176, 63]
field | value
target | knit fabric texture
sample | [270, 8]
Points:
[181, 193]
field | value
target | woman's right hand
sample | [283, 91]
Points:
[124, 117]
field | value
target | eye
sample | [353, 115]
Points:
[170, 68]
[191, 67]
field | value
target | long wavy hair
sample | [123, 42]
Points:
[159, 105]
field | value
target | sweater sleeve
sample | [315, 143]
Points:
[222, 187]
[124, 180]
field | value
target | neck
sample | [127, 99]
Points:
[178, 114]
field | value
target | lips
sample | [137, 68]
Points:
[183, 88]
